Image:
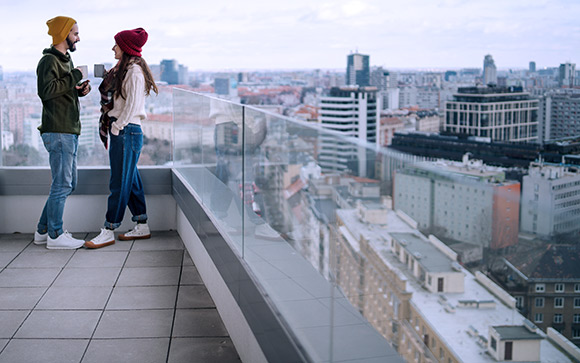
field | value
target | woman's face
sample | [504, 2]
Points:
[118, 51]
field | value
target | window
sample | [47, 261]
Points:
[519, 302]
[539, 318]
[558, 318]
[576, 302]
[493, 343]
[539, 302]
[540, 287]
[576, 319]
[559, 302]
[576, 287]
[559, 288]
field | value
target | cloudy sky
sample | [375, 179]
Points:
[297, 34]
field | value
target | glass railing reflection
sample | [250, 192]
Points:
[391, 232]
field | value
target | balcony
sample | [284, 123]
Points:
[276, 240]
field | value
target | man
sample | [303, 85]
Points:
[59, 91]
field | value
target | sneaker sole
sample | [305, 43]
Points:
[62, 248]
[90, 244]
[39, 242]
[122, 237]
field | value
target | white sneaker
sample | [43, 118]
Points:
[141, 231]
[105, 238]
[40, 239]
[264, 231]
[64, 242]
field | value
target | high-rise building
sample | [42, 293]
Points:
[489, 71]
[170, 71]
[354, 112]
[566, 74]
[559, 115]
[358, 70]
[532, 66]
[221, 85]
[499, 113]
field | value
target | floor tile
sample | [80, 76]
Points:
[154, 258]
[20, 298]
[3, 343]
[59, 324]
[165, 241]
[207, 350]
[149, 276]
[45, 351]
[194, 296]
[14, 245]
[7, 257]
[30, 277]
[198, 323]
[190, 276]
[75, 298]
[10, 320]
[93, 276]
[135, 324]
[44, 259]
[150, 297]
[127, 351]
[98, 259]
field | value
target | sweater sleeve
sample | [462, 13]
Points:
[49, 84]
[132, 107]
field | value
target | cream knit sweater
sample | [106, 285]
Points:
[130, 110]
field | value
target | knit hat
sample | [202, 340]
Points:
[59, 28]
[132, 41]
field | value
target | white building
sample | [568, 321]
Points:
[550, 200]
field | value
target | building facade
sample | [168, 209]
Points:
[358, 71]
[500, 113]
[489, 71]
[559, 115]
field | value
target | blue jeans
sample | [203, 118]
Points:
[62, 151]
[125, 184]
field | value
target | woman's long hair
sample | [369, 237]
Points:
[121, 71]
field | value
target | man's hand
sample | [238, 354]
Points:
[84, 88]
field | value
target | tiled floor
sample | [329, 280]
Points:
[137, 301]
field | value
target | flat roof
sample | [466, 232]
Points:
[516, 333]
[427, 255]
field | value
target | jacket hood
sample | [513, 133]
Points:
[54, 51]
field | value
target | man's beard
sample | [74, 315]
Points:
[71, 46]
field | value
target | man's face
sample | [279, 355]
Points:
[73, 38]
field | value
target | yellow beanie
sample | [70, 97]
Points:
[59, 28]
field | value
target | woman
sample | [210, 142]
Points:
[123, 93]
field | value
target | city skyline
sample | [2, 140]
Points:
[304, 35]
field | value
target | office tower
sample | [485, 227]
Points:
[566, 74]
[551, 200]
[352, 111]
[499, 113]
[489, 71]
[532, 66]
[358, 70]
[170, 71]
[559, 113]
[464, 201]
[222, 85]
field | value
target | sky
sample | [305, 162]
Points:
[213, 35]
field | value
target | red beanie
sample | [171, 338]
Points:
[131, 41]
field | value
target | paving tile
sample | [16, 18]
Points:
[14, 242]
[150, 297]
[187, 261]
[10, 321]
[42, 259]
[59, 324]
[45, 351]
[3, 343]
[194, 296]
[7, 257]
[149, 276]
[207, 350]
[20, 298]
[98, 259]
[93, 276]
[154, 258]
[135, 324]
[30, 277]
[75, 298]
[198, 323]
[127, 350]
[165, 241]
[190, 276]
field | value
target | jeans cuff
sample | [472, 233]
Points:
[110, 225]
[141, 218]
[55, 234]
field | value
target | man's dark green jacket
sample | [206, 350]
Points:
[57, 79]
